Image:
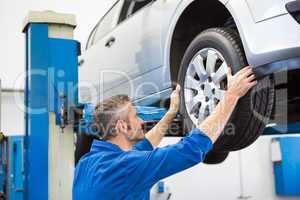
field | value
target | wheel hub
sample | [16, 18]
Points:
[202, 90]
[208, 90]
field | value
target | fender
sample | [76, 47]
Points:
[166, 42]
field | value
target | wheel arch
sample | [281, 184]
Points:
[184, 27]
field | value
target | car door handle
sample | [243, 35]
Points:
[110, 42]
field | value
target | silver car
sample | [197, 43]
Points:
[143, 47]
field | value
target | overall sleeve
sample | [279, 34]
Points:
[143, 145]
[145, 168]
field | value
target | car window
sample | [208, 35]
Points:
[131, 7]
[139, 5]
[106, 24]
[125, 7]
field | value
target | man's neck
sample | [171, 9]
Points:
[125, 145]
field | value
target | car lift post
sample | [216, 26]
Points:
[50, 94]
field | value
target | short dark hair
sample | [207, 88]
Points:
[107, 113]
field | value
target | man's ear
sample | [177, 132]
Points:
[122, 126]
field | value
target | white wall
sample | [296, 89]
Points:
[12, 117]
[247, 174]
[12, 13]
[12, 48]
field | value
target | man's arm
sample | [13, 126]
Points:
[145, 168]
[238, 86]
[149, 167]
[143, 145]
[156, 134]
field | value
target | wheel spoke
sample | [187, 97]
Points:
[191, 83]
[211, 61]
[193, 101]
[220, 74]
[201, 113]
[201, 118]
[199, 67]
[211, 107]
[219, 94]
[190, 105]
[199, 98]
[202, 108]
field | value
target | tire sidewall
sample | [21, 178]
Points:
[206, 40]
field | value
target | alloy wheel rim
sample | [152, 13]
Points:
[204, 84]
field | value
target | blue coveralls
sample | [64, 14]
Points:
[109, 173]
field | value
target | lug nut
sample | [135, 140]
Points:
[206, 113]
[206, 99]
[216, 100]
[213, 90]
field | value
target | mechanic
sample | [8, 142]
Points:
[124, 163]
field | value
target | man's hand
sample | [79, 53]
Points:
[175, 100]
[156, 134]
[238, 86]
[241, 82]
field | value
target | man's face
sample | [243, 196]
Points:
[135, 132]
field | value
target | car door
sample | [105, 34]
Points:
[121, 60]
[139, 34]
[98, 57]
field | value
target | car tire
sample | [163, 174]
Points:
[252, 111]
[214, 157]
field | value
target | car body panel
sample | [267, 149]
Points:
[136, 51]
[175, 8]
[264, 42]
[140, 56]
[266, 9]
[140, 87]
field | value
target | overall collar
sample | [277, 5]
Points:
[100, 145]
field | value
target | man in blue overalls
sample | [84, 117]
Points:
[126, 163]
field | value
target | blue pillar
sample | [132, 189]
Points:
[36, 120]
[51, 72]
[3, 164]
[15, 171]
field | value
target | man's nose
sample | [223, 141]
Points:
[141, 121]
